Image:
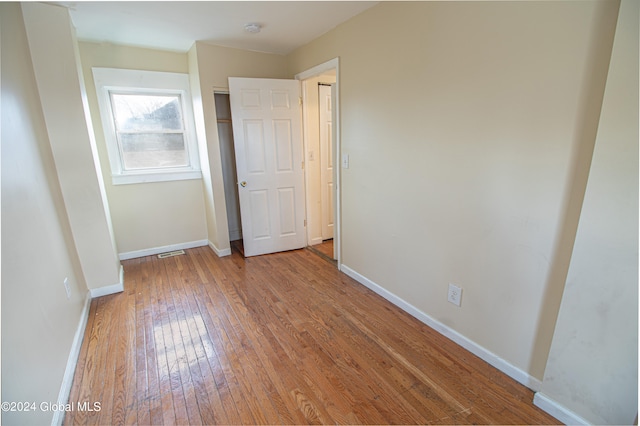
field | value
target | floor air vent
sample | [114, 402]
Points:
[170, 253]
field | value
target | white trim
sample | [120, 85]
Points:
[337, 220]
[319, 69]
[72, 361]
[306, 136]
[109, 289]
[106, 290]
[315, 241]
[163, 249]
[107, 80]
[481, 352]
[131, 178]
[219, 252]
[556, 410]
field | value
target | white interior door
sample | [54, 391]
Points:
[267, 132]
[326, 160]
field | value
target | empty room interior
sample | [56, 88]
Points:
[387, 212]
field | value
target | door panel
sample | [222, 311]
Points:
[287, 208]
[255, 152]
[260, 223]
[284, 145]
[267, 126]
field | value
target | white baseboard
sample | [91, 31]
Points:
[163, 249]
[558, 411]
[220, 252]
[315, 241]
[72, 361]
[481, 352]
[109, 289]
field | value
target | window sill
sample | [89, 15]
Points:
[134, 178]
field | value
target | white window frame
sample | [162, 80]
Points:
[114, 80]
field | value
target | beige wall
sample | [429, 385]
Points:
[593, 363]
[146, 216]
[463, 122]
[150, 215]
[55, 60]
[38, 251]
[221, 63]
[210, 67]
[470, 128]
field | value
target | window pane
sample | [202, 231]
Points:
[146, 112]
[153, 150]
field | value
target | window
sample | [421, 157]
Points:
[148, 125]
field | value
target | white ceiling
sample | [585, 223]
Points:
[176, 25]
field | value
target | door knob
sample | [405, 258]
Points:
[243, 183]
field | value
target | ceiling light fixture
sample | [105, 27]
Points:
[253, 28]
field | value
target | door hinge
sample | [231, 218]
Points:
[300, 100]
[305, 222]
[302, 165]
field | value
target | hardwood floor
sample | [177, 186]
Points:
[276, 339]
[324, 249]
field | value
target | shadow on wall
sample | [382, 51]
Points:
[585, 132]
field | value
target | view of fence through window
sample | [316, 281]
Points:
[150, 130]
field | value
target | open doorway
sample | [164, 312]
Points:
[228, 158]
[322, 172]
[319, 167]
[312, 154]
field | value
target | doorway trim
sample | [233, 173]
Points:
[333, 64]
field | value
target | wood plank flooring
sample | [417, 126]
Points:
[325, 248]
[276, 339]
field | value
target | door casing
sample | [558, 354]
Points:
[333, 64]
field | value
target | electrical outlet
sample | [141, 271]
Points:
[67, 288]
[455, 294]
